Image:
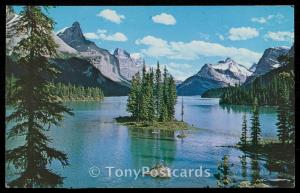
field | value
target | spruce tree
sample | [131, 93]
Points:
[35, 109]
[133, 101]
[243, 139]
[158, 91]
[283, 109]
[224, 179]
[164, 116]
[151, 103]
[255, 127]
[144, 95]
[172, 97]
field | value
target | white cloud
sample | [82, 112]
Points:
[280, 36]
[111, 15]
[181, 71]
[260, 20]
[91, 35]
[242, 33]
[220, 36]
[102, 35]
[164, 18]
[157, 47]
[136, 55]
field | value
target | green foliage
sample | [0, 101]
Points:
[67, 92]
[255, 124]
[150, 98]
[76, 93]
[243, 139]
[285, 112]
[35, 108]
[265, 88]
[224, 174]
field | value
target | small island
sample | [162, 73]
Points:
[152, 101]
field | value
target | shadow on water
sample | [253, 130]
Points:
[252, 170]
[246, 108]
[149, 147]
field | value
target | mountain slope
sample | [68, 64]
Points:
[129, 65]
[268, 62]
[75, 66]
[224, 73]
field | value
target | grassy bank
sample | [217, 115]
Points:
[174, 125]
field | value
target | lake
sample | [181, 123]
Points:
[95, 142]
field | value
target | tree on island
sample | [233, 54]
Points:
[243, 139]
[255, 127]
[35, 107]
[152, 99]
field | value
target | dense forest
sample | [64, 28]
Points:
[266, 88]
[65, 92]
[152, 96]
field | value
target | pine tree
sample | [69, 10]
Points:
[144, 95]
[282, 116]
[133, 101]
[243, 139]
[35, 106]
[164, 116]
[151, 107]
[291, 115]
[172, 97]
[224, 173]
[283, 110]
[158, 91]
[255, 127]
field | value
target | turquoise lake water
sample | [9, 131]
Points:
[93, 139]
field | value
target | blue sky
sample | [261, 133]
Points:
[183, 38]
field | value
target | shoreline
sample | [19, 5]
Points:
[173, 125]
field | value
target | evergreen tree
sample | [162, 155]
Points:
[133, 102]
[172, 97]
[291, 114]
[144, 95]
[283, 111]
[224, 174]
[35, 106]
[243, 139]
[255, 127]
[158, 91]
[151, 107]
[164, 116]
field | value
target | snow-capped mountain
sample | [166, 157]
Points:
[12, 38]
[119, 67]
[100, 58]
[222, 74]
[129, 65]
[268, 62]
[253, 67]
[77, 67]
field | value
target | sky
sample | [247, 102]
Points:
[183, 38]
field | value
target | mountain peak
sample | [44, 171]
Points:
[228, 60]
[76, 24]
[121, 52]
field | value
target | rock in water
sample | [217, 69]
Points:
[159, 171]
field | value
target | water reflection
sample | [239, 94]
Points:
[255, 169]
[243, 160]
[244, 108]
[149, 147]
